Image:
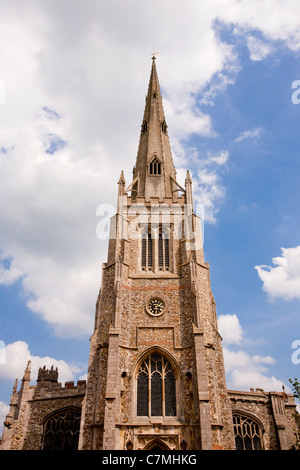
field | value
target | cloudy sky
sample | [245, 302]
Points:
[73, 79]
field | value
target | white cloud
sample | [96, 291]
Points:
[230, 329]
[244, 371]
[17, 356]
[258, 49]
[8, 274]
[273, 18]
[74, 105]
[250, 134]
[208, 186]
[283, 279]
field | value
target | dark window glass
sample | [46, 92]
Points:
[160, 251]
[142, 393]
[61, 432]
[247, 433]
[149, 250]
[167, 258]
[156, 394]
[144, 248]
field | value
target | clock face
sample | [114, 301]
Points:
[156, 306]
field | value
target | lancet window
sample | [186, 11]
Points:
[155, 249]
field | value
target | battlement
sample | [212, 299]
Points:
[47, 375]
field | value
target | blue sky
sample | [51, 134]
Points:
[70, 123]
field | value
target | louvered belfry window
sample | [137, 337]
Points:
[156, 387]
[146, 258]
[163, 251]
[158, 246]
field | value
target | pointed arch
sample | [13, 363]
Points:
[155, 166]
[156, 444]
[61, 429]
[156, 377]
[248, 431]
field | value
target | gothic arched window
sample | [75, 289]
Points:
[61, 430]
[156, 387]
[155, 167]
[163, 251]
[247, 433]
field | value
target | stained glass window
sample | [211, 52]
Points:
[155, 167]
[61, 431]
[156, 387]
[247, 433]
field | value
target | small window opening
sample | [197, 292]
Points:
[155, 167]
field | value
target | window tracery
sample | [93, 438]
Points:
[61, 430]
[247, 433]
[156, 387]
[155, 166]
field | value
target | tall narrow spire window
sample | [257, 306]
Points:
[155, 167]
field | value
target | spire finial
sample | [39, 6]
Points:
[153, 55]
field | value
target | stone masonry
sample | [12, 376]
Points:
[156, 376]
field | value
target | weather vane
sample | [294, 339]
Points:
[154, 54]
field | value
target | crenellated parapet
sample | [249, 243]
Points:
[47, 375]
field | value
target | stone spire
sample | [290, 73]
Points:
[154, 165]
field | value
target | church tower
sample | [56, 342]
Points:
[156, 374]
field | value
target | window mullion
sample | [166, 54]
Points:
[163, 250]
[163, 387]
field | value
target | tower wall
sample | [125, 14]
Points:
[186, 333]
